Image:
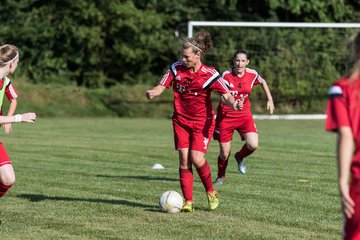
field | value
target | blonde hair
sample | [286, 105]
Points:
[8, 53]
[200, 43]
[355, 71]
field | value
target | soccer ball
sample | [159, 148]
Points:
[171, 202]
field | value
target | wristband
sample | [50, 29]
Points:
[18, 118]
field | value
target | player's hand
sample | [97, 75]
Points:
[270, 106]
[150, 94]
[7, 127]
[347, 202]
[28, 117]
[238, 104]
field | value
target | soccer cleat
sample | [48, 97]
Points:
[188, 207]
[219, 181]
[213, 199]
[241, 164]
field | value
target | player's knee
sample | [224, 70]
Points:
[8, 181]
[252, 146]
[225, 155]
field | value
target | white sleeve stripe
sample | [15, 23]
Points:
[223, 84]
[210, 80]
[253, 81]
[163, 80]
[335, 90]
[12, 92]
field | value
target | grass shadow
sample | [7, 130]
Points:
[39, 198]
[147, 178]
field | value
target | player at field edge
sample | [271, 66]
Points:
[193, 117]
[240, 80]
[343, 117]
[9, 58]
[9, 90]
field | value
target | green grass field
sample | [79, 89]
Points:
[92, 179]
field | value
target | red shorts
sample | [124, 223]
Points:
[4, 158]
[225, 127]
[195, 135]
[352, 225]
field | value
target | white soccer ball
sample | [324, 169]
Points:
[171, 202]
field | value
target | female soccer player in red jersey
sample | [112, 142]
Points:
[9, 90]
[193, 118]
[240, 81]
[9, 58]
[343, 117]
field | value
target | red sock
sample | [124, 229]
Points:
[187, 183]
[244, 152]
[3, 189]
[205, 176]
[222, 167]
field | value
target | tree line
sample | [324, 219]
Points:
[102, 43]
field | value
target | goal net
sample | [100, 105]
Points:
[298, 60]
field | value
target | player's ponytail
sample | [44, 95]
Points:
[200, 43]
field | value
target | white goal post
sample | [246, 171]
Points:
[192, 24]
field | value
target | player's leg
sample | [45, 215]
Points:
[181, 138]
[352, 225]
[248, 132]
[224, 130]
[7, 175]
[204, 171]
[186, 179]
[222, 161]
[200, 140]
[7, 178]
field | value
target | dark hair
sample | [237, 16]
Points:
[200, 43]
[239, 51]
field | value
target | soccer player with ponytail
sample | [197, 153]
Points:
[9, 58]
[343, 117]
[193, 118]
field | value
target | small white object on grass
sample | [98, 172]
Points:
[157, 166]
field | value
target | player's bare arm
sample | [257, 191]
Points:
[25, 118]
[229, 100]
[270, 103]
[345, 147]
[11, 112]
[155, 91]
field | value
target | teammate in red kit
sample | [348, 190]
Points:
[10, 92]
[9, 58]
[343, 117]
[240, 81]
[193, 118]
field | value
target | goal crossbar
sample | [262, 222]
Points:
[192, 24]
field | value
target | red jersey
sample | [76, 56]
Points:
[9, 91]
[343, 110]
[192, 90]
[239, 87]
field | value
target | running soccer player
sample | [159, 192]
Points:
[9, 58]
[193, 118]
[343, 117]
[240, 80]
[9, 91]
